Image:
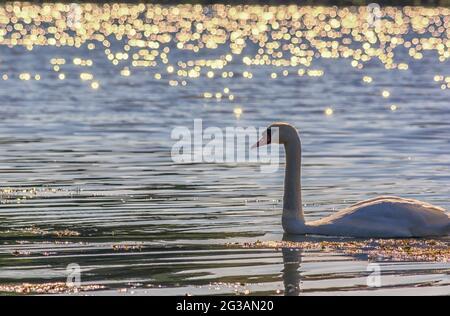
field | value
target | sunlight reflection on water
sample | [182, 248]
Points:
[91, 164]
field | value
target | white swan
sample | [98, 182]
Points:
[382, 217]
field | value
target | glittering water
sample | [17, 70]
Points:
[87, 177]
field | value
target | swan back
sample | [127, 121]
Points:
[387, 216]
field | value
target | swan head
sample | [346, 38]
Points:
[277, 133]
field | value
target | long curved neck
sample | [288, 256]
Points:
[292, 201]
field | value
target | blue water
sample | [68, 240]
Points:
[100, 162]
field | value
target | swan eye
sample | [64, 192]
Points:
[269, 136]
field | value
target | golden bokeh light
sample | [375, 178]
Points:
[237, 112]
[282, 40]
[329, 111]
[95, 85]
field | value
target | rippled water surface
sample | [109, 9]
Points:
[87, 175]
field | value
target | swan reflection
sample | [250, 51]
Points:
[292, 259]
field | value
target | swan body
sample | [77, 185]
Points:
[380, 217]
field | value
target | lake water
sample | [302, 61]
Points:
[87, 176]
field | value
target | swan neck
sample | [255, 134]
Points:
[292, 201]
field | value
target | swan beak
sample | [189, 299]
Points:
[259, 143]
[266, 139]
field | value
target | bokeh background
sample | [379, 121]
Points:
[90, 94]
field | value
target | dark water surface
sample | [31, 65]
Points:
[96, 164]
